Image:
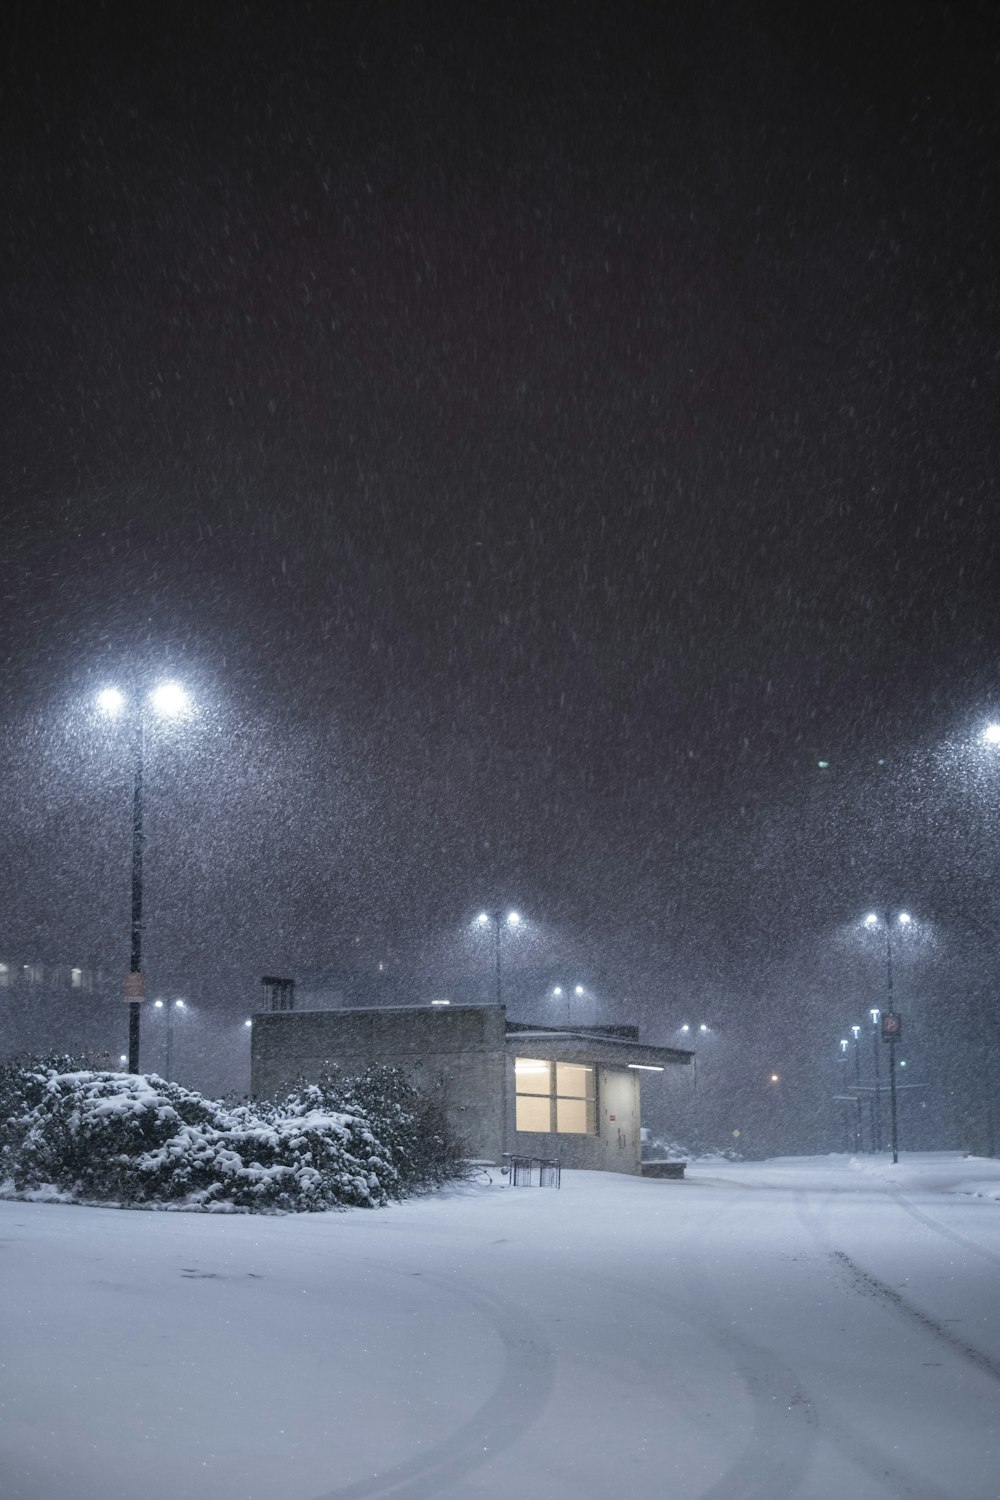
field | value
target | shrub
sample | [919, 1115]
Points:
[411, 1127]
[136, 1140]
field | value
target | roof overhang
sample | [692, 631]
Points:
[591, 1047]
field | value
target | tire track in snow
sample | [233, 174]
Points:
[901, 1201]
[514, 1404]
[865, 1281]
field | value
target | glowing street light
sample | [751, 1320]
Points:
[167, 700]
[110, 701]
[990, 736]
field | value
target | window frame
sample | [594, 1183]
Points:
[588, 1099]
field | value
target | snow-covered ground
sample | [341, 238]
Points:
[820, 1328]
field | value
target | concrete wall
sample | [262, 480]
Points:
[615, 1147]
[454, 1052]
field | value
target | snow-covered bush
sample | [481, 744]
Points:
[410, 1126]
[105, 1137]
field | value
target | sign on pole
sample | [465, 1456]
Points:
[892, 1026]
[135, 987]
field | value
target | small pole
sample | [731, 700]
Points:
[496, 948]
[135, 965]
[877, 1096]
[170, 1038]
[892, 1095]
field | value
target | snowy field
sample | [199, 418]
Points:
[822, 1328]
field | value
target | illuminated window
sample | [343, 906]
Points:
[554, 1098]
[4, 976]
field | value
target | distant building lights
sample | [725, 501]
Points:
[644, 1067]
[440, 1002]
[824, 765]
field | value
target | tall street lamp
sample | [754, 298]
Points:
[166, 1005]
[167, 701]
[496, 920]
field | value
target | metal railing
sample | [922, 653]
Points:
[520, 1170]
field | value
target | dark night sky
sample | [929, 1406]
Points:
[538, 434]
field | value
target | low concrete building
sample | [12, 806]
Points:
[505, 1086]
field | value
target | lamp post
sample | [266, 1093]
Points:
[168, 700]
[856, 1033]
[166, 1006]
[872, 920]
[496, 920]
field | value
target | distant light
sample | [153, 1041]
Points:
[685, 1027]
[775, 1078]
[991, 734]
[578, 990]
[169, 700]
[857, 1031]
[874, 1013]
[440, 1002]
[703, 1027]
[824, 765]
[902, 1062]
[558, 990]
[123, 1057]
[158, 1004]
[513, 918]
[644, 1067]
[110, 701]
[179, 1004]
[905, 919]
[248, 1023]
[872, 919]
[483, 918]
[844, 1044]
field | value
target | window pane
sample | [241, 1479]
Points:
[533, 1113]
[533, 1076]
[574, 1081]
[572, 1117]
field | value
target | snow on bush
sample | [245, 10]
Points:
[138, 1141]
[410, 1126]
